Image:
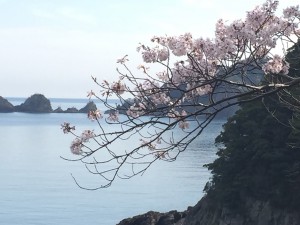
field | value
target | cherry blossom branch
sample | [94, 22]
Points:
[199, 79]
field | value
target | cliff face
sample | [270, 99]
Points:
[206, 212]
[256, 213]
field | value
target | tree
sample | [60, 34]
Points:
[256, 159]
[260, 156]
[198, 79]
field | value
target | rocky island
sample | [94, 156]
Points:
[38, 103]
[5, 106]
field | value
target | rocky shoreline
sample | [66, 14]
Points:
[156, 218]
[38, 103]
[207, 212]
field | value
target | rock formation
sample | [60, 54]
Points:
[36, 103]
[156, 218]
[90, 106]
[206, 212]
[71, 110]
[254, 213]
[58, 110]
[5, 106]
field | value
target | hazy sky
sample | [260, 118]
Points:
[54, 46]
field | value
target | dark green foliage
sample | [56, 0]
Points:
[260, 153]
[256, 160]
[293, 57]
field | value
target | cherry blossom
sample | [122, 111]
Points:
[123, 60]
[113, 116]
[276, 65]
[163, 54]
[67, 128]
[291, 12]
[194, 79]
[183, 125]
[76, 146]
[91, 94]
[118, 87]
[163, 76]
[95, 115]
[144, 68]
[135, 111]
[87, 135]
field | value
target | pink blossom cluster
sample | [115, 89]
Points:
[87, 135]
[118, 87]
[77, 143]
[200, 59]
[123, 60]
[95, 115]
[152, 91]
[66, 127]
[291, 12]
[183, 124]
[276, 65]
[113, 116]
[163, 76]
[136, 110]
[260, 30]
[253, 37]
[76, 146]
[152, 55]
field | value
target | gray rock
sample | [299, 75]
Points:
[156, 218]
[90, 106]
[206, 212]
[71, 110]
[256, 212]
[36, 103]
[5, 105]
[58, 110]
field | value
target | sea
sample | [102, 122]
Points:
[37, 185]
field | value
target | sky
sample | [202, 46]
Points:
[53, 47]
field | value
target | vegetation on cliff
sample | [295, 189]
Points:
[257, 160]
[260, 153]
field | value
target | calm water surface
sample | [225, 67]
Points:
[36, 187]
